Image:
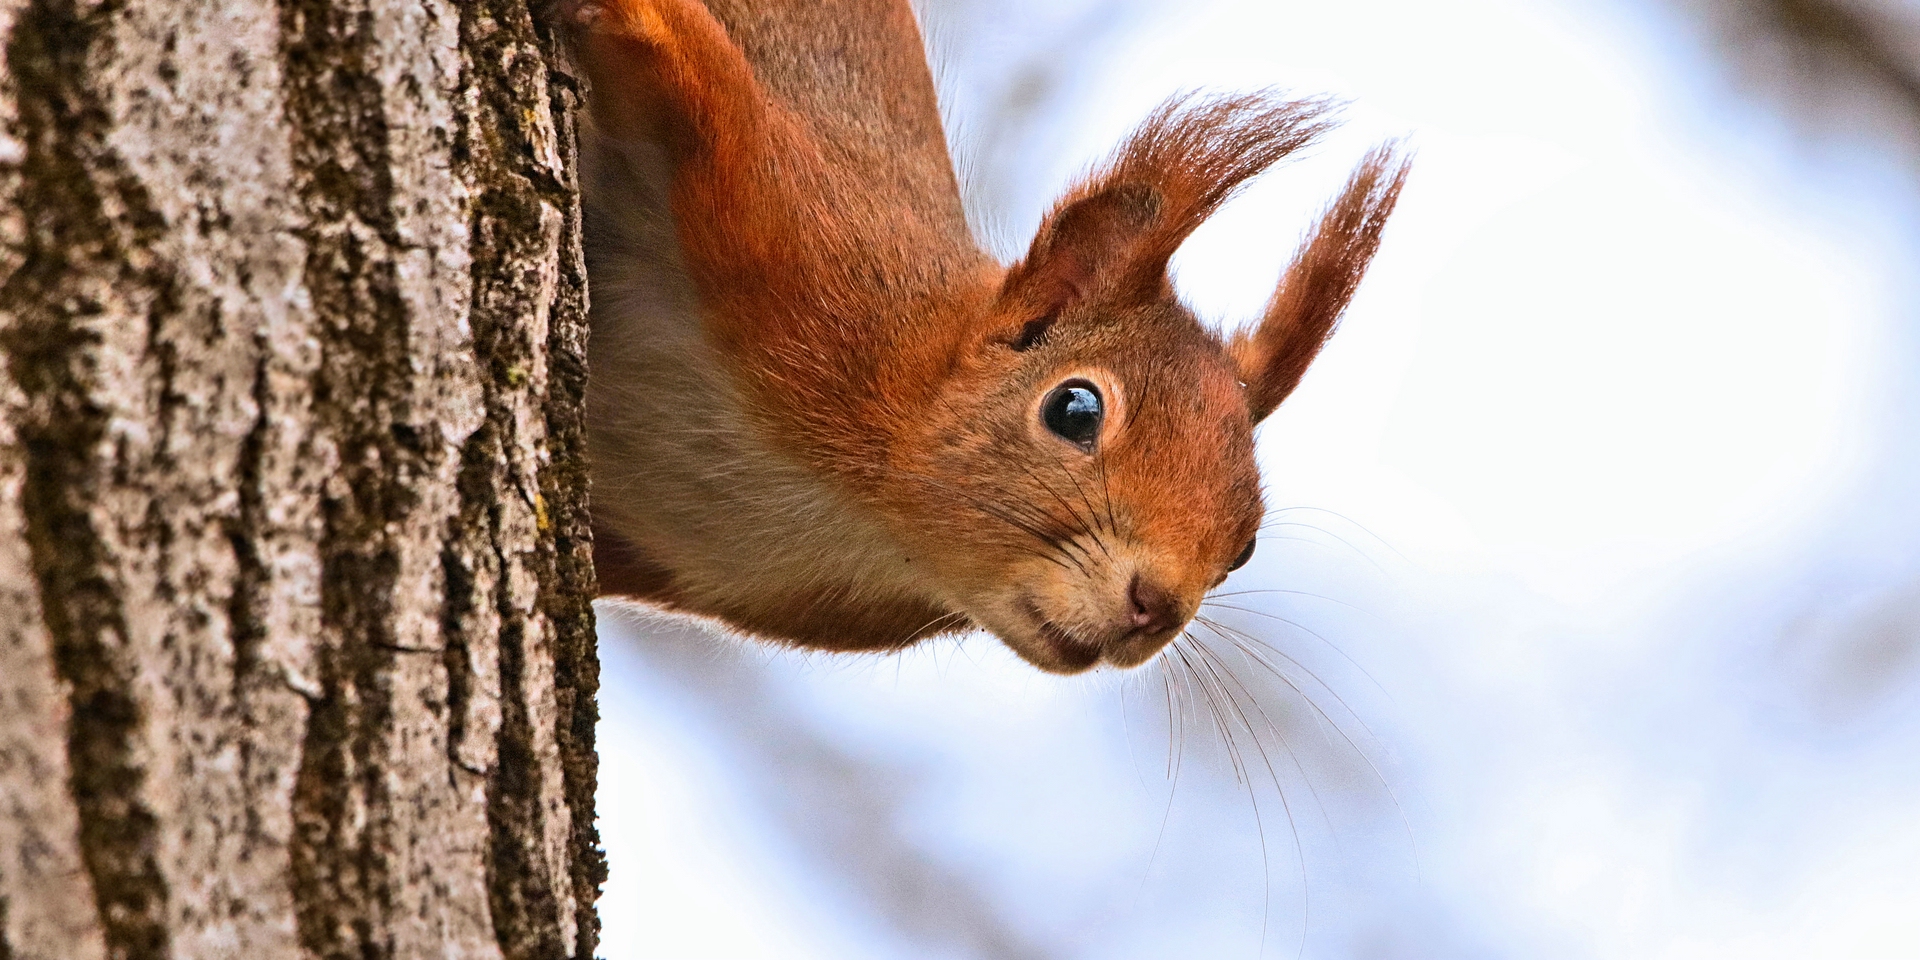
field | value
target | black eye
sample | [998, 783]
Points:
[1241, 560]
[1073, 411]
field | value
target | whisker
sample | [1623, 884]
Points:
[1057, 545]
[1357, 525]
[1362, 554]
[1308, 671]
[1265, 537]
[1240, 771]
[1310, 632]
[1173, 768]
[1029, 525]
[1208, 659]
[1271, 727]
[1235, 637]
[1223, 722]
[1324, 685]
[1297, 593]
[1085, 524]
[1166, 683]
[1106, 493]
[955, 615]
[1083, 498]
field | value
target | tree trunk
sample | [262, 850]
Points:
[296, 651]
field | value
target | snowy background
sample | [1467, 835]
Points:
[1595, 625]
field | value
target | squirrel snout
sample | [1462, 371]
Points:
[1071, 641]
[1153, 609]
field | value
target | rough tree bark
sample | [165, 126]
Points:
[296, 651]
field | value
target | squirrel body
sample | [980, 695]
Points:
[820, 414]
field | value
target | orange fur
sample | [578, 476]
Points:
[816, 404]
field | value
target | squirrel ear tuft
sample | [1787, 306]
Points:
[1117, 229]
[1319, 283]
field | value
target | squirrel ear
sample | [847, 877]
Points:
[1318, 284]
[1081, 243]
[1118, 229]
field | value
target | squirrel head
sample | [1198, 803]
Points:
[1092, 446]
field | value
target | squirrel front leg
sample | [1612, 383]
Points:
[657, 65]
[748, 175]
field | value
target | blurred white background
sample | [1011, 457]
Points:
[1599, 623]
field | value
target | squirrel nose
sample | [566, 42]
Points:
[1154, 609]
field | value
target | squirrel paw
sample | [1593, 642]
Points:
[579, 13]
[638, 19]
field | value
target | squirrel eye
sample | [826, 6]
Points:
[1241, 560]
[1073, 412]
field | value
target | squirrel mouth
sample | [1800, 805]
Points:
[1070, 652]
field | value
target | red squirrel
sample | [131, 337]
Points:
[821, 415]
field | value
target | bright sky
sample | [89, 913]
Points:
[1628, 395]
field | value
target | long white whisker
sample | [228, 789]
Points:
[1310, 632]
[1235, 637]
